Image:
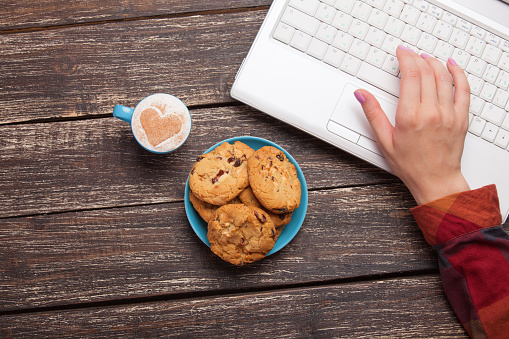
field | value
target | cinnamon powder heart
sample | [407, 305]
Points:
[159, 128]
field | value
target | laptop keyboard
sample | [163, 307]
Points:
[361, 37]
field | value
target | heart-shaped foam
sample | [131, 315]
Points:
[159, 128]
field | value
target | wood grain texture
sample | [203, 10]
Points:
[87, 70]
[96, 163]
[43, 13]
[91, 256]
[397, 308]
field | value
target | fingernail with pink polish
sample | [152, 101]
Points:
[452, 62]
[425, 56]
[360, 98]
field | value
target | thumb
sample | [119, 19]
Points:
[377, 119]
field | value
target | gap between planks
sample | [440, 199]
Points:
[226, 292]
[140, 18]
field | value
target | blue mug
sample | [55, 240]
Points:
[160, 123]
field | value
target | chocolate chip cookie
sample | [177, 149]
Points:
[247, 197]
[273, 179]
[241, 234]
[204, 209]
[220, 175]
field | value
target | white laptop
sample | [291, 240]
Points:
[310, 55]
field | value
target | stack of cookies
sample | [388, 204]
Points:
[246, 198]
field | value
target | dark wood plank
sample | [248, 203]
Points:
[398, 308]
[43, 13]
[96, 163]
[68, 258]
[84, 71]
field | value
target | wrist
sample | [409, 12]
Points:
[427, 191]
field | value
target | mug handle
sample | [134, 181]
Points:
[123, 113]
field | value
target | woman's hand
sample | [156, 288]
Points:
[425, 146]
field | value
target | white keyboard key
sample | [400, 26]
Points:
[300, 20]
[390, 44]
[435, 11]
[427, 43]
[375, 37]
[378, 19]
[459, 38]
[306, 6]
[329, 2]
[359, 49]
[493, 114]
[358, 29]
[421, 5]
[443, 50]
[361, 11]
[476, 84]
[505, 123]
[443, 30]
[391, 65]
[464, 25]
[426, 22]
[350, 64]
[284, 33]
[476, 66]
[379, 78]
[505, 46]
[342, 21]
[343, 41]
[317, 49]
[476, 104]
[344, 5]
[476, 126]
[411, 34]
[408, 1]
[376, 57]
[410, 14]
[450, 18]
[478, 32]
[501, 98]
[491, 73]
[492, 54]
[461, 57]
[394, 27]
[326, 33]
[376, 3]
[325, 13]
[475, 46]
[502, 139]
[490, 132]
[470, 118]
[301, 41]
[488, 91]
[492, 39]
[334, 56]
[502, 80]
[393, 7]
[504, 62]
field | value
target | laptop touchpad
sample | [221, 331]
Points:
[348, 112]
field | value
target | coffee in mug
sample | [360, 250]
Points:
[160, 123]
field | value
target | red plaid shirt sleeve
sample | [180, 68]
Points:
[473, 254]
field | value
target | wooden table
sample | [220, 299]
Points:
[94, 239]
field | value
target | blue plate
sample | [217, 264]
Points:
[200, 226]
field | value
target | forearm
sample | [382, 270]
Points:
[473, 257]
